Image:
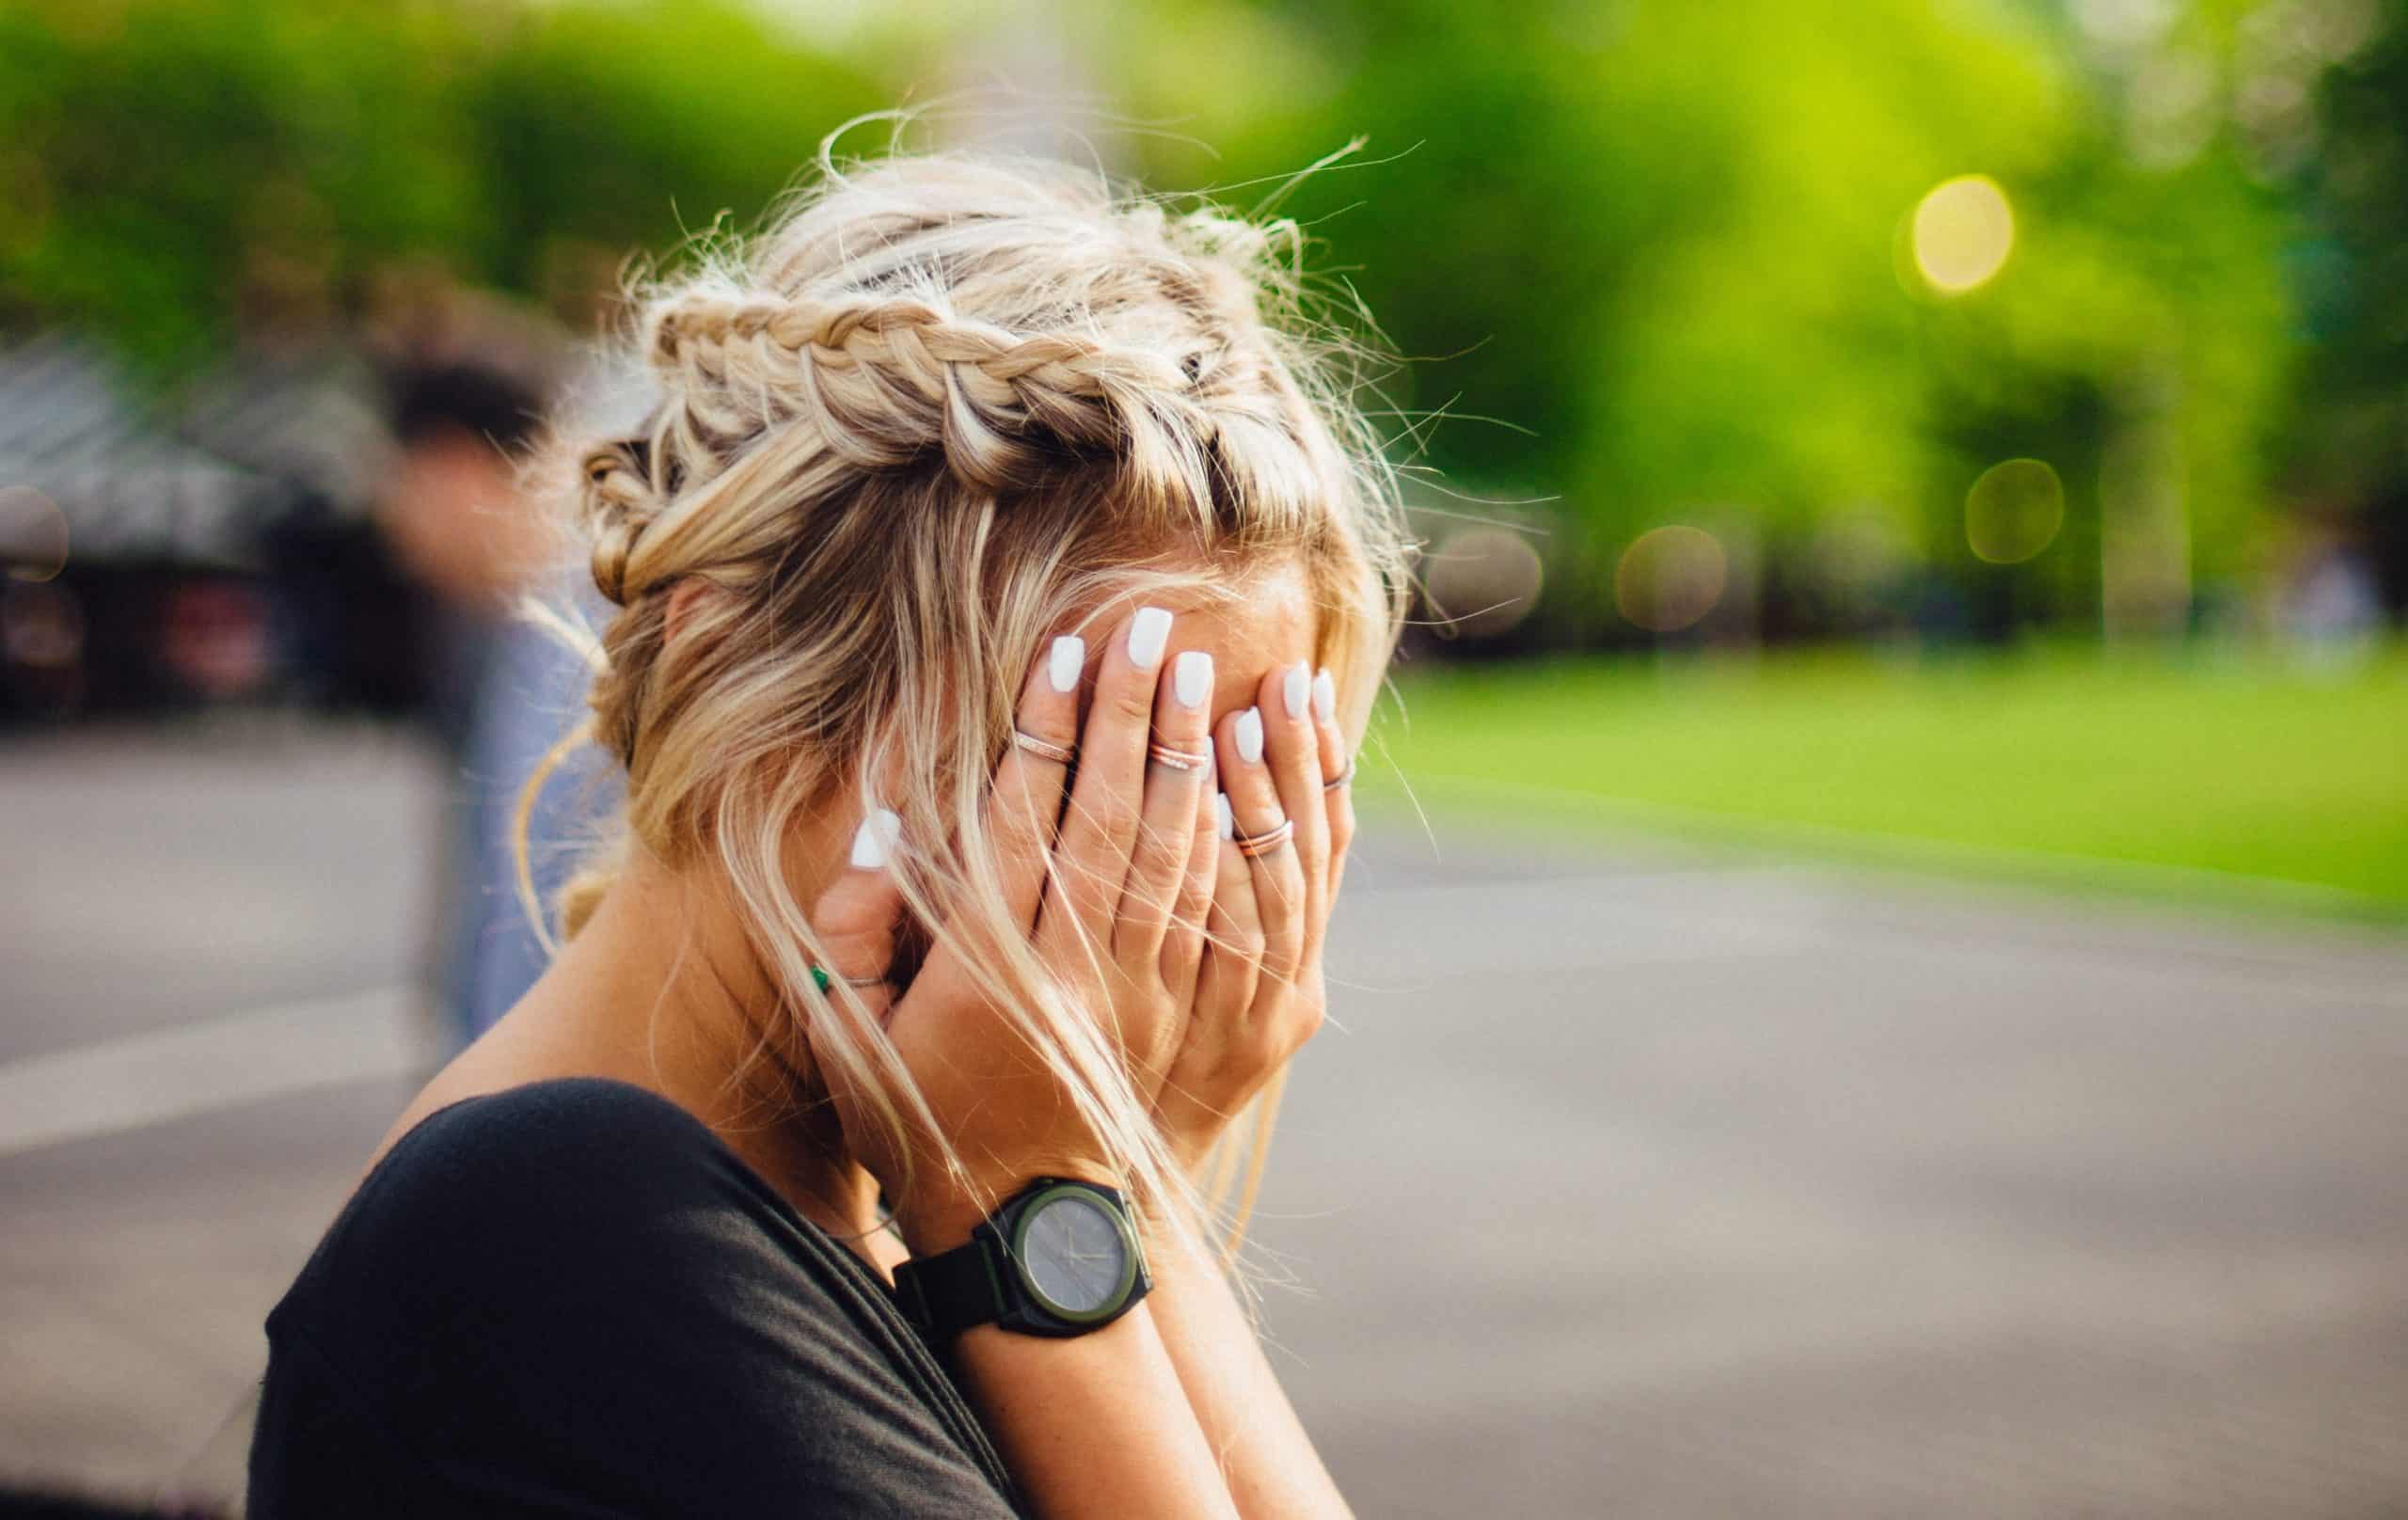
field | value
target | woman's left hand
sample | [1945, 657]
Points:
[1261, 992]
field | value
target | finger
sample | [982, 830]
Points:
[1176, 772]
[1233, 949]
[1182, 954]
[1277, 877]
[1025, 804]
[1099, 829]
[1292, 752]
[1337, 779]
[1234, 945]
[855, 919]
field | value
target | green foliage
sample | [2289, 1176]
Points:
[1664, 246]
[1670, 239]
[171, 162]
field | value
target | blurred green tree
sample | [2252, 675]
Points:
[1656, 261]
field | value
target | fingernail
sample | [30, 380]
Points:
[1325, 696]
[1149, 632]
[1068, 659]
[1250, 734]
[874, 844]
[1228, 820]
[1292, 688]
[1191, 678]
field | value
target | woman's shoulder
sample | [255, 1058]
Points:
[511, 1221]
[556, 1130]
[578, 1269]
[560, 1151]
[566, 1176]
[549, 1238]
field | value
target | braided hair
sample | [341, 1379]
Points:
[944, 406]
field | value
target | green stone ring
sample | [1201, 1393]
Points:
[820, 976]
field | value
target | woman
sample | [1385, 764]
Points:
[1004, 580]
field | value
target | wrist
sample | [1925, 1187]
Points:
[1060, 1258]
[940, 1226]
[945, 1218]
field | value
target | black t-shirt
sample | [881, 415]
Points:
[571, 1298]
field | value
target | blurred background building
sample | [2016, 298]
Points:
[1968, 436]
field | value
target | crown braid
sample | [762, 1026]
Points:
[858, 362]
[880, 380]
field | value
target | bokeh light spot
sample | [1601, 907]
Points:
[1963, 232]
[33, 535]
[1670, 577]
[1483, 580]
[2014, 511]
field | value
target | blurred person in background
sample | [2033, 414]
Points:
[1003, 580]
[499, 689]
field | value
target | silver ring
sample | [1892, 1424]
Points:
[1341, 779]
[1045, 748]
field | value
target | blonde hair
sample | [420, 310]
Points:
[945, 405]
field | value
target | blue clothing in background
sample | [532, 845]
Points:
[530, 691]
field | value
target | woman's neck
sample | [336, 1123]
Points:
[661, 988]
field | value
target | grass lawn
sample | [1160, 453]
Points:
[2239, 770]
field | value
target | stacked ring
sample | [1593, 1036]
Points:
[1178, 759]
[1341, 778]
[1045, 748]
[1264, 843]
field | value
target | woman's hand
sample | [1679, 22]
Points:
[1113, 904]
[1261, 992]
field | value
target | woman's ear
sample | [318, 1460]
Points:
[681, 602]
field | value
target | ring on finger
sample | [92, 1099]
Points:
[1061, 754]
[1343, 778]
[1177, 759]
[824, 979]
[1264, 843]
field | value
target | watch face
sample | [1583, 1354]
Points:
[1072, 1255]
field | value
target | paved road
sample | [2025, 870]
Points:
[1631, 1181]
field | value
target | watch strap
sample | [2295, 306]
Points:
[948, 1292]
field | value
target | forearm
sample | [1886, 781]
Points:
[1265, 1457]
[1096, 1424]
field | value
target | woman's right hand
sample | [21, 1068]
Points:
[1115, 904]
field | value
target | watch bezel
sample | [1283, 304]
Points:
[1124, 1290]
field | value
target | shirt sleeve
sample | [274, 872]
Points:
[570, 1298]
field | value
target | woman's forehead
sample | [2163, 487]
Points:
[1268, 625]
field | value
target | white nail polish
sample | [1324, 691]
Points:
[1228, 819]
[874, 844]
[1148, 633]
[1250, 734]
[1068, 659]
[1325, 696]
[1293, 687]
[1191, 678]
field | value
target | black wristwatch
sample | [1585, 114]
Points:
[1058, 1258]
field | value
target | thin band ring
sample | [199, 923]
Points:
[1341, 779]
[1264, 843]
[1045, 748]
[1163, 754]
[820, 975]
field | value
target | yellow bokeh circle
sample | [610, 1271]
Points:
[1963, 232]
